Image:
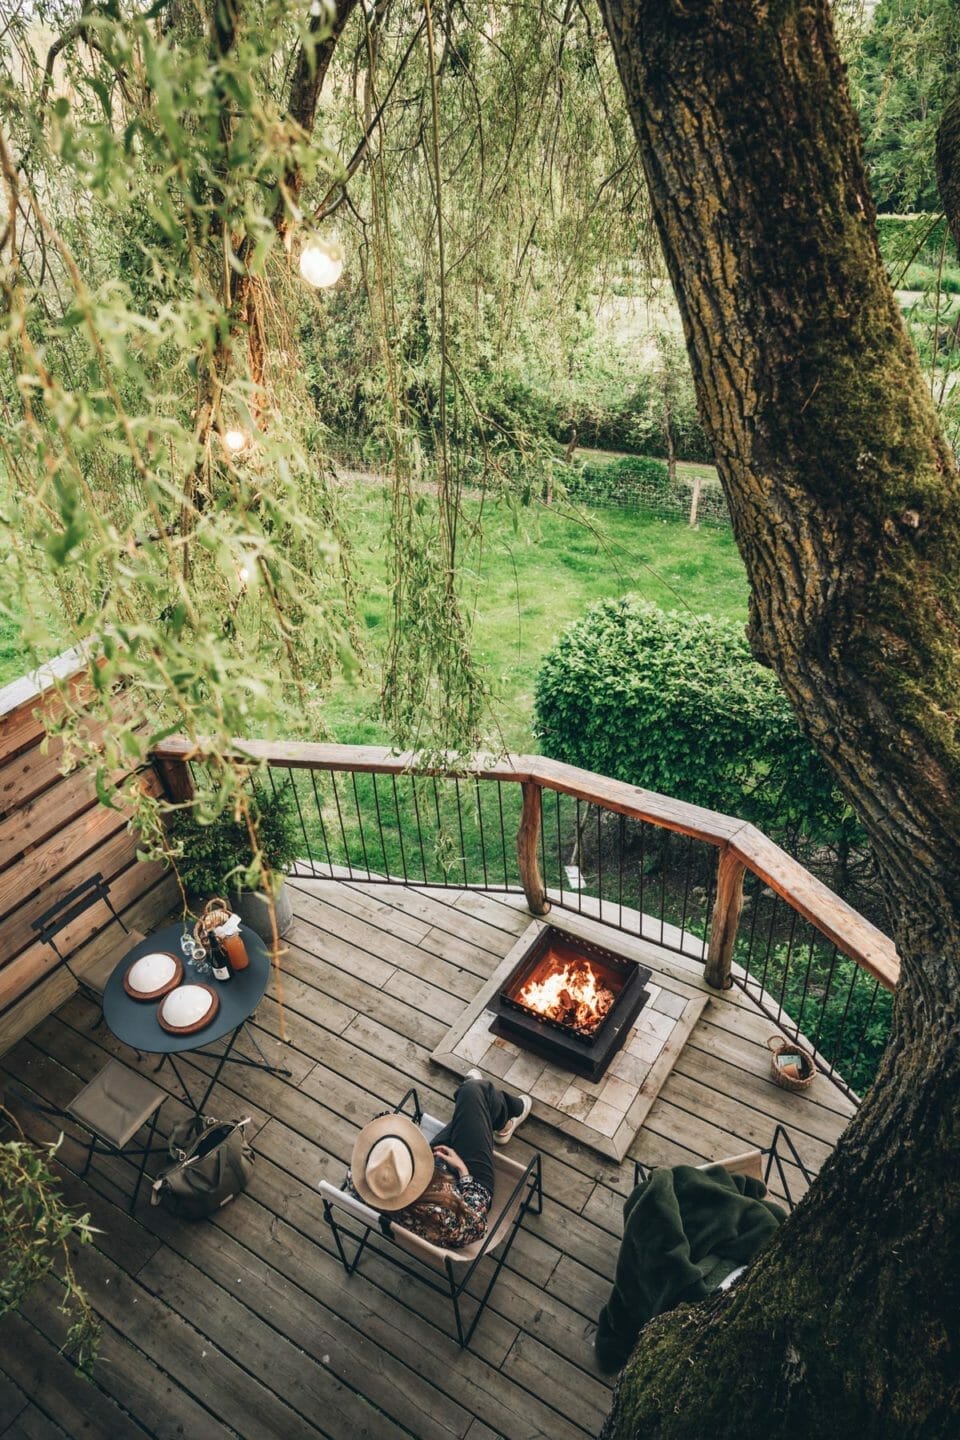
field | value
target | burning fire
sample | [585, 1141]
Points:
[571, 996]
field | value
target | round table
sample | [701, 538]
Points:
[135, 1021]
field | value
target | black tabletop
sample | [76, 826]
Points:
[135, 1021]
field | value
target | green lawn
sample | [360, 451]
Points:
[531, 581]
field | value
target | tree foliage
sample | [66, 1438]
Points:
[36, 1232]
[902, 73]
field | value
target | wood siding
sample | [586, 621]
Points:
[54, 834]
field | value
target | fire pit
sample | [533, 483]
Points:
[571, 1001]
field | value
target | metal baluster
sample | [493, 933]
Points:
[863, 1032]
[323, 828]
[303, 828]
[483, 843]
[794, 917]
[383, 843]
[363, 838]
[599, 863]
[343, 833]
[463, 847]
[396, 811]
[416, 808]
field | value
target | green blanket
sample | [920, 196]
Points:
[684, 1230]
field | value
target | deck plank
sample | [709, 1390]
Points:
[373, 975]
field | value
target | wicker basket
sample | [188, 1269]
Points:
[778, 1044]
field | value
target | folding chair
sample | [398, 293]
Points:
[517, 1189]
[113, 1108]
[63, 913]
[751, 1162]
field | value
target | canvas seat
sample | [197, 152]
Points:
[781, 1154]
[517, 1189]
[114, 1107]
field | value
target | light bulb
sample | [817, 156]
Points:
[321, 262]
[243, 575]
[235, 440]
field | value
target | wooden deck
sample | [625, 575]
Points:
[246, 1325]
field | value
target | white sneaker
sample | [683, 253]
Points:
[500, 1137]
[474, 1074]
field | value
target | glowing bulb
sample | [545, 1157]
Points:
[243, 574]
[321, 262]
[236, 440]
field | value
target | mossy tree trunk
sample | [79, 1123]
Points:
[845, 503]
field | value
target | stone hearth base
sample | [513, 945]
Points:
[607, 1113]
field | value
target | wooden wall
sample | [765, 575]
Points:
[54, 834]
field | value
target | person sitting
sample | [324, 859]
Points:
[441, 1192]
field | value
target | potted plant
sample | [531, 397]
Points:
[214, 856]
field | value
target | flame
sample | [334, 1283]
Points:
[571, 995]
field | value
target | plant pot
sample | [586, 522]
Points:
[253, 907]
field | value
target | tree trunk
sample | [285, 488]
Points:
[844, 501]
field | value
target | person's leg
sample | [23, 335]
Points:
[479, 1109]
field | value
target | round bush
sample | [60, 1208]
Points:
[677, 704]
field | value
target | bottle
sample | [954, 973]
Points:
[219, 959]
[232, 941]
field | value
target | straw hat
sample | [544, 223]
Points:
[392, 1163]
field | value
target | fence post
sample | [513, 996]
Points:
[175, 778]
[726, 919]
[695, 499]
[528, 850]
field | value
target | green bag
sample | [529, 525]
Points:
[212, 1164]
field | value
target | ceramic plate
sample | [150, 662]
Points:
[153, 975]
[188, 1008]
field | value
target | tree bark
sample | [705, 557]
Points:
[844, 501]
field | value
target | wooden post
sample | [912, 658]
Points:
[175, 778]
[695, 499]
[726, 919]
[528, 850]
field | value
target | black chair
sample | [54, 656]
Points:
[758, 1163]
[517, 1189]
[50, 924]
[113, 1108]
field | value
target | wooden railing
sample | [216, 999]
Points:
[371, 830]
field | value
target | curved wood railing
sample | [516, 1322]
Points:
[741, 851]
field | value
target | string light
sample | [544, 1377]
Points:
[235, 440]
[321, 262]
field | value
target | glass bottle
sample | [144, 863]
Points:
[219, 959]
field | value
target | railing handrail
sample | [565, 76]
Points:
[854, 935]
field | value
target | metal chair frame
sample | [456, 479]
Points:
[107, 1147]
[530, 1182]
[781, 1136]
[66, 910]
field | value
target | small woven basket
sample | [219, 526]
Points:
[778, 1045]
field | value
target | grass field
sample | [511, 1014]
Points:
[529, 578]
[529, 582]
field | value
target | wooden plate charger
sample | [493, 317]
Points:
[188, 1008]
[153, 975]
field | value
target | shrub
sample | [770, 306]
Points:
[627, 481]
[677, 704]
[213, 849]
